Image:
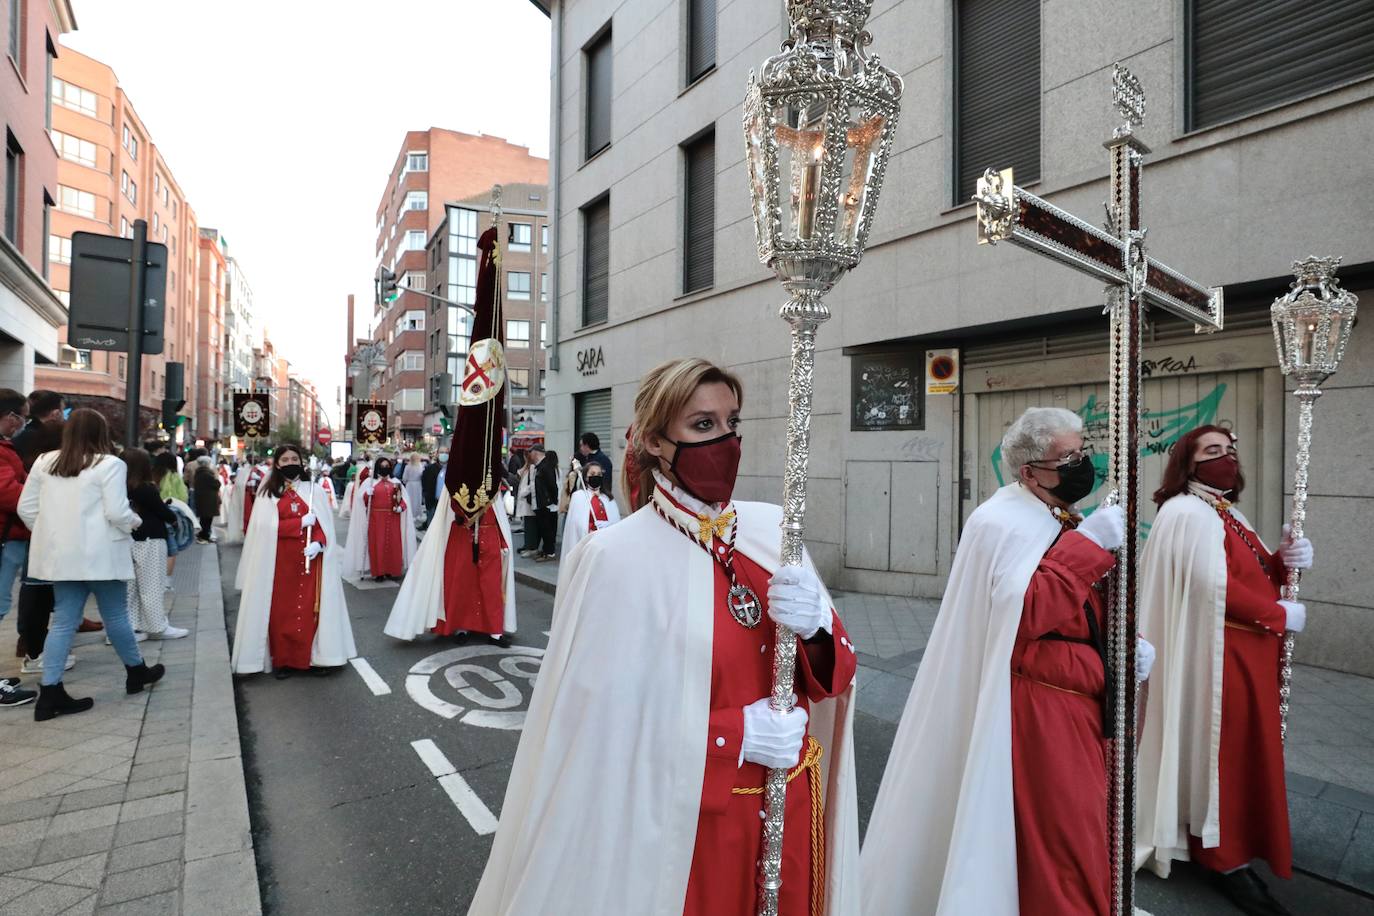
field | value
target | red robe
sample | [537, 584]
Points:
[597, 513]
[250, 493]
[1252, 810]
[729, 840]
[474, 593]
[1058, 751]
[295, 593]
[384, 552]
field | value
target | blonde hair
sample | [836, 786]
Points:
[662, 396]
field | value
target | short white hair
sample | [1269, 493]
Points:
[1030, 435]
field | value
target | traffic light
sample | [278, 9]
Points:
[386, 286]
[174, 391]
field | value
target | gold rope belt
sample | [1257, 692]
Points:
[1077, 693]
[811, 763]
[1236, 625]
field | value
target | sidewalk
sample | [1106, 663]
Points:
[139, 805]
[1329, 754]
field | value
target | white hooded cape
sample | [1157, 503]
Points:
[942, 840]
[420, 602]
[579, 515]
[356, 563]
[601, 808]
[233, 507]
[1182, 613]
[333, 636]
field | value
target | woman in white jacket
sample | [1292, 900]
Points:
[76, 503]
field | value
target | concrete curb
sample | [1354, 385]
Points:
[530, 579]
[221, 876]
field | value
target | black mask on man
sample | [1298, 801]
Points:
[1075, 481]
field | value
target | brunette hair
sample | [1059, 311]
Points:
[164, 463]
[43, 401]
[662, 395]
[11, 401]
[85, 440]
[140, 466]
[1179, 470]
[275, 484]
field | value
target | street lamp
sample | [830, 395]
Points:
[1312, 323]
[819, 120]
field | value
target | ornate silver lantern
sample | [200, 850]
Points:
[819, 119]
[1312, 324]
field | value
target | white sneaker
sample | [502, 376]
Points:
[170, 633]
[35, 665]
[139, 636]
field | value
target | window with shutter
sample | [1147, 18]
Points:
[997, 91]
[598, 107]
[596, 261]
[592, 410]
[699, 214]
[1243, 57]
[701, 38]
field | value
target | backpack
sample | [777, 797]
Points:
[181, 534]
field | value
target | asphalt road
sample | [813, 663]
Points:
[350, 818]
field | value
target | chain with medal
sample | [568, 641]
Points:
[744, 605]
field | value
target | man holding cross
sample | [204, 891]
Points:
[993, 800]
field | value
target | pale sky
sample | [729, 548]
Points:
[281, 121]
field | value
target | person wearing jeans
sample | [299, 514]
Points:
[14, 535]
[76, 503]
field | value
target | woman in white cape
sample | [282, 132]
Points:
[650, 732]
[233, 506]
[591, 508]
[356, 563]
[276, 601]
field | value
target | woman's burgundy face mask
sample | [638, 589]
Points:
[707, 470]
[1221, 473]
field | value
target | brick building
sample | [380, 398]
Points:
[30, 312]
[109, 174]
[452, 258]
[432, 167]
[212, 281]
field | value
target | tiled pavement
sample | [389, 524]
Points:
[137, 806]
[1329, 754]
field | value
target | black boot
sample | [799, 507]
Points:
[1245, 890]
[141, 676]
[53, 701]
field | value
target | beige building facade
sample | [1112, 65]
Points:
[1251, 169]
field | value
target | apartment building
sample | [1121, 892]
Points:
[213, 281]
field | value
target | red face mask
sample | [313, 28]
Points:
[707, 469]
[1220, 473]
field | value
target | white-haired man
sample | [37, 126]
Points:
[994, 798]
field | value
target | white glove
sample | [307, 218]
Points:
[1144, 659]
[398, 509]
[796, 601]
[308, 519]
[772, 738]
[313, 550]
[1297, 615]
[1106, 527]
[1296, 554]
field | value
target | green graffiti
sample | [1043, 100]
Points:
[1159, 431]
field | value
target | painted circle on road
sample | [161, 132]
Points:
[491, 682]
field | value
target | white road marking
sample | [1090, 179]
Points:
[478, 815]
[370, 677]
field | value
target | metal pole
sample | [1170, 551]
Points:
[1306, 395]
[804, 312]
[133, 377]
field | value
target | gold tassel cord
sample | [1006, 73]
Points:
[811, 763]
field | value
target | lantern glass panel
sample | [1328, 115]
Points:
[801, 164]
[755, 135]
[863, 135]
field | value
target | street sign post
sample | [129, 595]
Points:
[325, 436]
[118, 288]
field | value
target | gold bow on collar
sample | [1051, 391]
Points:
[708, 528]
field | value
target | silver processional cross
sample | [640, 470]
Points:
[1117, 256]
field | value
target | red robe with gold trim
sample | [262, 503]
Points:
[1252, 807]
[384, 549]
[1058, 750]
[295, 592]
[474, 592]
